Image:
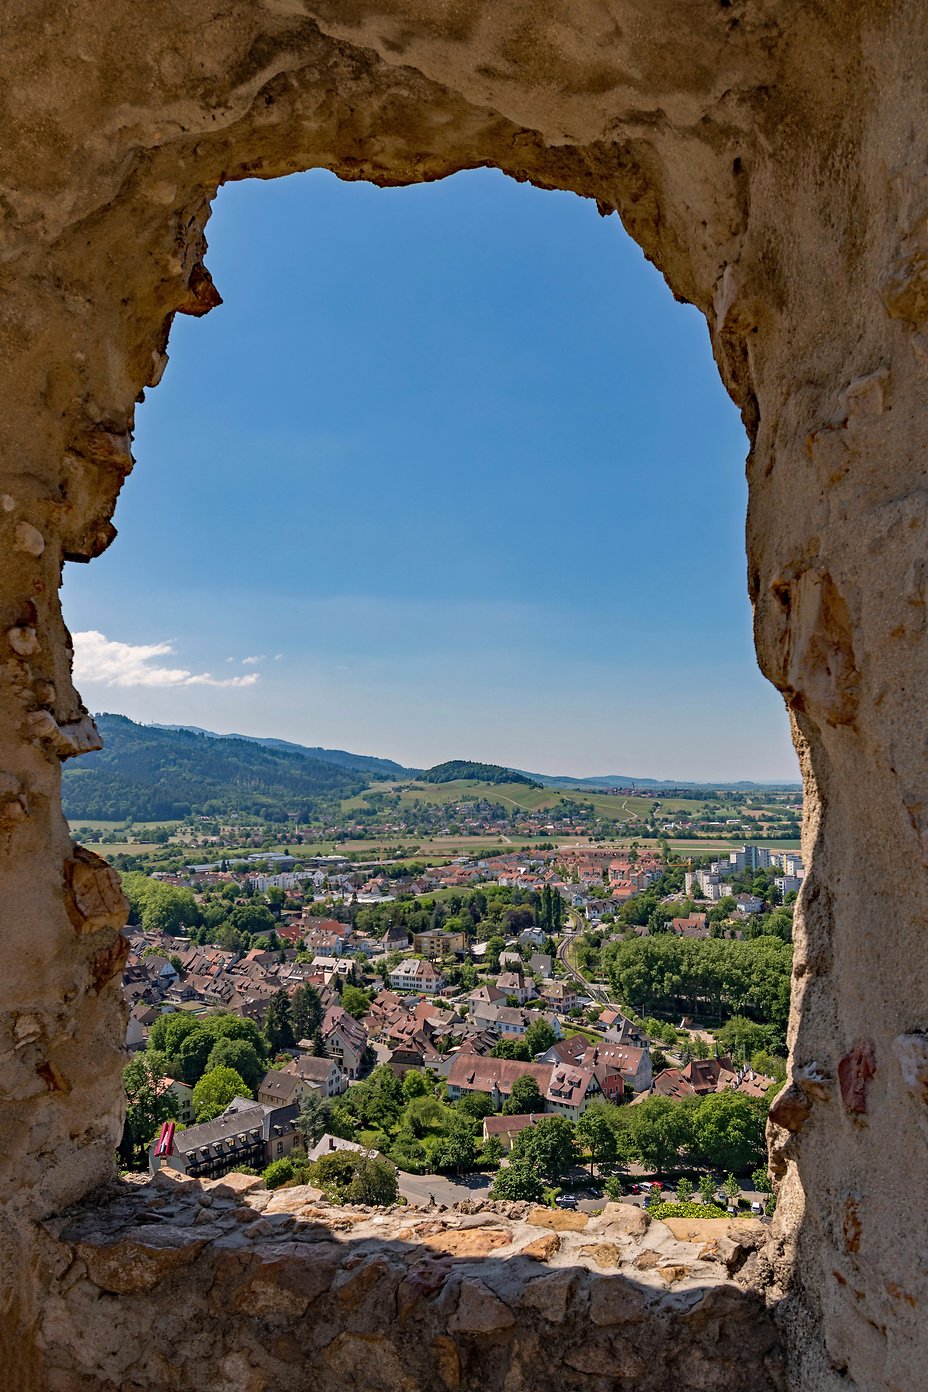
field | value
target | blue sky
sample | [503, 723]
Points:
[448, 475]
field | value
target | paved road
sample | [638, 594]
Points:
[420, 1189]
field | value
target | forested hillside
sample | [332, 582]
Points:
[454, 769]
[148, 773]
[367, 764]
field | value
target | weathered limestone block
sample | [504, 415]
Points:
[93, 896]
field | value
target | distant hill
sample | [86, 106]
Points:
[647, 785]
[361, 763]
[149, 773]
[454, 769]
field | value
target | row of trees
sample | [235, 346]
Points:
[218, 918]
[723, 1131]
[712, 977]
[422, 1132]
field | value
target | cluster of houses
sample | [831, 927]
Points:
[702, 1076]
[415, 1020]
[574, 872]
[337, 880]
[568, 1077]
[622, 875]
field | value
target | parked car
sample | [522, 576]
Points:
[757, 1207]
[566, 1201]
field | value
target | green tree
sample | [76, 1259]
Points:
[224, 1025]
[423, 1114]
[731, 1188]
[511, 1049]
[355, 1177]
[477, 1105]
[524, 1098]
[148, 1103]
[276, 899]
[415, 1084]
[597, 1137]
[192, 1054]
[319, 1045]
[158, 907]
[741, 1038]
[684, 1189]
[519, 1182]
[495, 945]
[166, 1033]
[761, 1180]
[306, 1011]
[313, 1118]
[251, 919]
[771, 1065]
[279, 1172]
[355, 1001]
[492, 1151]
[550, 1147]
[727, 1131]
[707, 1188]
[215, 1091]
[456, 1152]
[539, 1037]
[658, 1129]
[408, 1152]
[278, 1024]
[240, 1055]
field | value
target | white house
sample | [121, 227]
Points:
[416, 974]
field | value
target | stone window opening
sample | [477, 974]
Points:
[772, 165]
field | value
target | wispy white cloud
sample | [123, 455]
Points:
[111, 663]
[253, 661]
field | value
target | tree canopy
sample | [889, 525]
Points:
[215, 1091]
[354, 1177]
[148, 1104]
[549, 1147]
[711, 976]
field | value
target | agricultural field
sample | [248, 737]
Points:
[519, 795]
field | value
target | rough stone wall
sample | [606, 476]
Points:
[253, 1292]
[770, 158]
